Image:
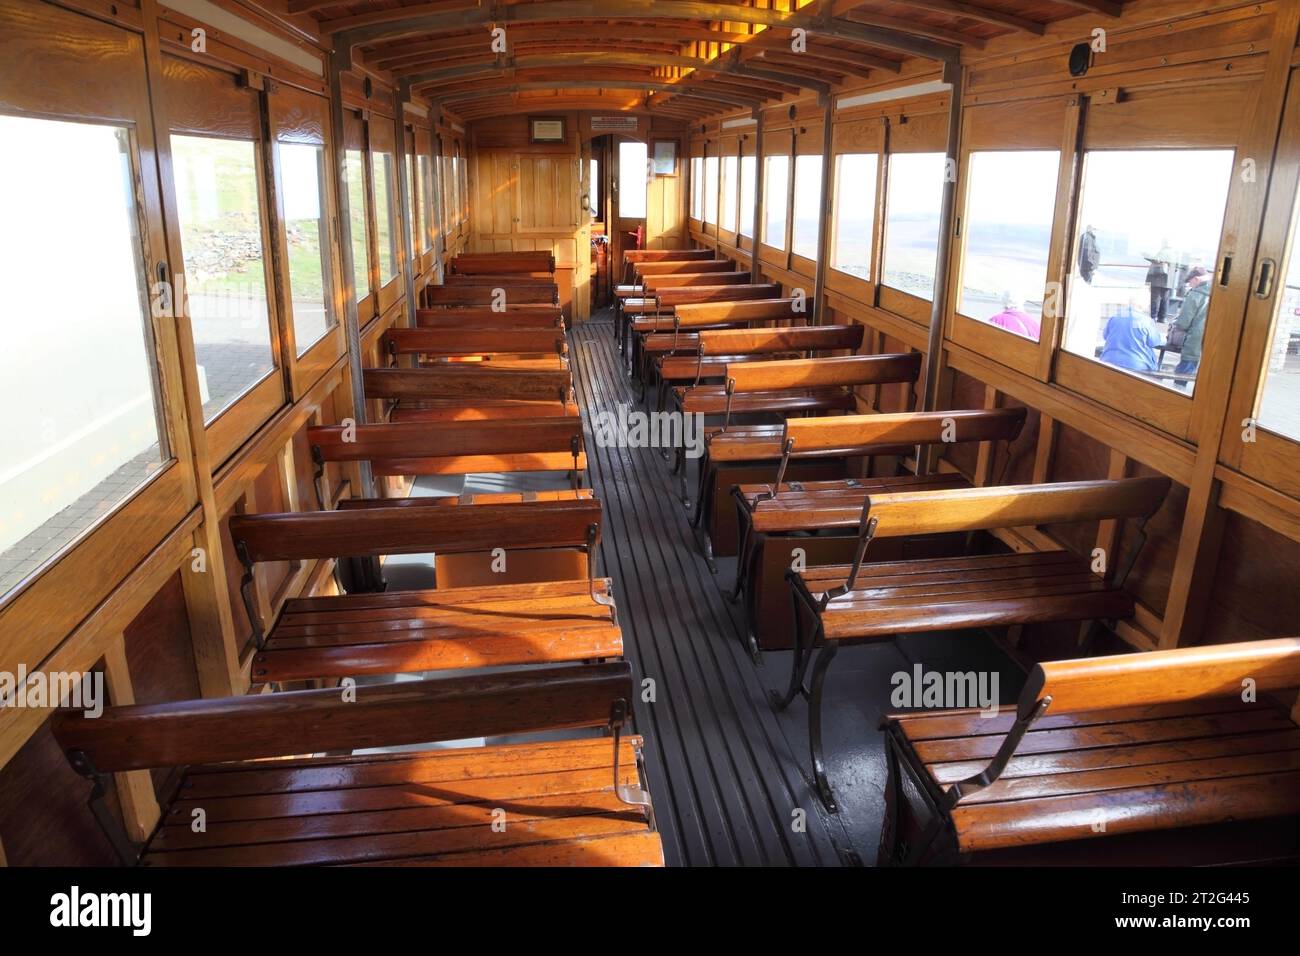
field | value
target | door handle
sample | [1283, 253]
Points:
[1264, 281]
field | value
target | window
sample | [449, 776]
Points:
[1010, 203]
[711, 190]
[807, 205]
[83, 428]
[462, 184]
[1279, 409]
[426, 200]
[306, 235]
[913, 204]
[728, 220]
[593, 189]
[1144, 259]
[354, 173]
[381, 170]
[776, 188]
[697, 187]
[855, 213]
[225, 278]
[748, 173]
[410, 204]
[631, 179]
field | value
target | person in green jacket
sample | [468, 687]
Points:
[1191, 319]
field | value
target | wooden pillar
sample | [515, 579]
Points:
[947, 215]
[824, 227]
[758, 194]
[405, 193]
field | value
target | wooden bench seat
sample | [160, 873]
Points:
[464, 392]
[516, 294]
[567, 802]
[1099, 755]
[443, 343]
[726, 309]
[452, 448]
[474, 263]
[518, 317]
[489, 623]
[864, 602]
[633, 257]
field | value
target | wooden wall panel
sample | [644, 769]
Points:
[1254, 594]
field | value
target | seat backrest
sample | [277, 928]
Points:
[671, 298]
[682, 280]
[666, 255]
[486, 295]
[441, 448]
[252, 726]
[502, 262]
[467, 381]
[796, 339]
[523, 317]
[843, 433]
[1163, 677]
[758, 310]
[1014, 506]
[310, 535]
[406, 341]
[688, 265]
[848, 370]
[509, 281]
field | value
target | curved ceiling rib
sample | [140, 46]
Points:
[714, 55]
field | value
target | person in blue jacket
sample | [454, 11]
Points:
[1131, 340]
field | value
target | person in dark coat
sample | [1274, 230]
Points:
[1089, 254]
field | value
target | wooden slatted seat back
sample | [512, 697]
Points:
[508, 281]
[1161, 677]
[773, 309]
[247, 727]
[309, 535]
[522, 317]
[471, 263]
[1014, 506]
[809, 338]
[844, 434]
[450, 341]
[848, 371]
[454, 448]
[486, 295]
[684, 280]
[468, 382]
[645, 269]
[672, 298]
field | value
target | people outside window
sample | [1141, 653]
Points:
[1160, 277]
[1089, 254]
[1131, 341]
[1014, 318]
[1189, 327]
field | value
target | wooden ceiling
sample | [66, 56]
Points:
[677, 58]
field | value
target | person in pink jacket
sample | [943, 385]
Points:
[1014, 318]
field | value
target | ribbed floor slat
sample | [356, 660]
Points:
[724, 778]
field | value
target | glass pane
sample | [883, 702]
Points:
[776, 187]
[1144, 259]
[1007, 240]
[728, 220]
[426, 199]
[807, 205]
[632, 168]
[416, 245]
[82, 432]
[711, 189]
[381, 169]
[1279, 401]
[354, 172]
[855, 213]
[697, 187]
[302, 169]
[748, 173]
[593, 189]
[913, 202]
[448, 197]
[225, 279]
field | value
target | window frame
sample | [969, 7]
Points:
[859, 137]
[728, 149]
[748, 147]
[776, 143]
[907, 134]
[808, 142]
[380, 139]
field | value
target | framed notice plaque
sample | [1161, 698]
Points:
[546, 129]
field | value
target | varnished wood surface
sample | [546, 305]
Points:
[468, 341]
[671, 298]
[463, 382]
[849, 370]
[411, 631]
[769, 309]
[836, 433]
[311, 721]
[294, 536]
[474, 263]
[757, 341]
[670, 267]
[486, 295]
[682, 280]
[531, 317]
